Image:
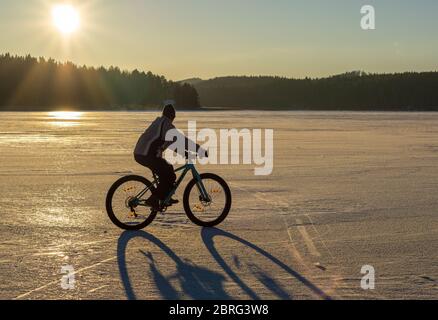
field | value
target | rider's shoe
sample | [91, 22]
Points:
[173, 202]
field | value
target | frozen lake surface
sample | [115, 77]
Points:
[348, 190]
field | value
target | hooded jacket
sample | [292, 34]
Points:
[153, 142]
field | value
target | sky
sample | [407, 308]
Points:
[211, 38]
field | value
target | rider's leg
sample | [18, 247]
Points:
[149, 162]
[167, 177]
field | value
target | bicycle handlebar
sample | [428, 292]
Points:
[187, 154]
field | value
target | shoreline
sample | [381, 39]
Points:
[237, 109]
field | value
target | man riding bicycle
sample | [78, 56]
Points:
[149, 153]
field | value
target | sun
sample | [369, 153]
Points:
[66, 18]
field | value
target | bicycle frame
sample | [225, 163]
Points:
[188, 167]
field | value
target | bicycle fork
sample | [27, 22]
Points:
[201, 188]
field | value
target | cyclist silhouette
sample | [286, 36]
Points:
[149, 153]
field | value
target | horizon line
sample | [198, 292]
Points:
[130, 70]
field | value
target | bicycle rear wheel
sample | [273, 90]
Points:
[122, 204]
[211, 212]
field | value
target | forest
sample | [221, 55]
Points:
[29, 84]
[355, 90]
[32, 84]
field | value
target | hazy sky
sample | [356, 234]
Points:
[207, 38]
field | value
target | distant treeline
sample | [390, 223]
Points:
[27, 83]
[350, 91]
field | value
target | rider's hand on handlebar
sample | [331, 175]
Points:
[202, 153]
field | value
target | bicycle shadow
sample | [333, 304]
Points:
[198, 283]
[208, 236]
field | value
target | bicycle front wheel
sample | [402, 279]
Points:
[212, 211]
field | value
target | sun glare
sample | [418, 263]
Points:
[65, 18]
[65, 115]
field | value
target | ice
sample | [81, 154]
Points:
[348, 190]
